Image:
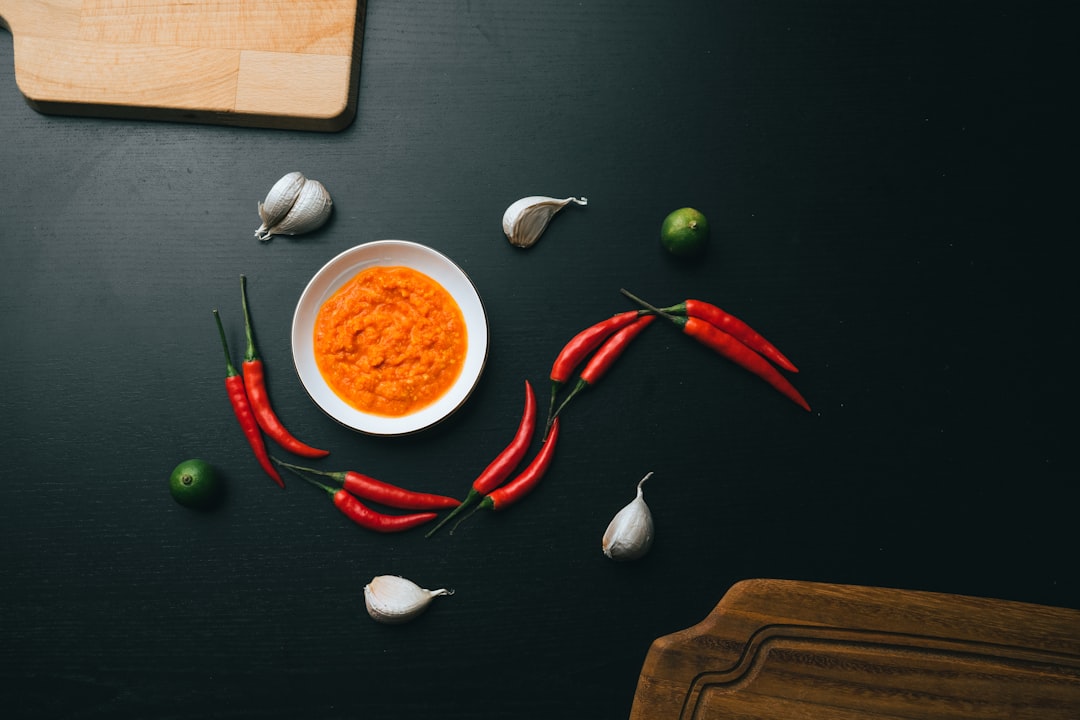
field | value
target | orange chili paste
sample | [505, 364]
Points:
[390, 341]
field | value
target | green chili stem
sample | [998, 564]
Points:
[680, 321]
[556, 386]
[472, 497]
[329, 490]
[676, 309]
[250, 354]
[297, 469]
[471, 513]
[230, 370]
[581, 385]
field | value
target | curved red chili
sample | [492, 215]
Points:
[234, 384]
[602, 361]
[378, 491]
[364, 516]
[575, 351]
[732, 326]
[504, 463]
[255, 383]
[728, 346]
[731, 348]
[529, 478]
[606, 356]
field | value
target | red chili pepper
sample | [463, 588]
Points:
[575, 351]
[605, 357]
[709, 335]
[378, 491]
[723, 343]
[504, 463]
[365, 517]
[732, 326]
[255, 383]
[529, 478]
[234, 384]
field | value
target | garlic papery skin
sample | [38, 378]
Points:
[526, 219]
[629, 535]
[393, 600]
[294, 205]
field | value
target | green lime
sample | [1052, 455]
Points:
[194, 484]
[684, 232]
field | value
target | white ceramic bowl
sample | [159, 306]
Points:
[342, 269]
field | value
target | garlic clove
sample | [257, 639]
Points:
[309, 212]
[526, 219]
[629, 535]
[393, 600]
[293, 206]
[278, 201]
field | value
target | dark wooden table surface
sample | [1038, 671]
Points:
[887, 187]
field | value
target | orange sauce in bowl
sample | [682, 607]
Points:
[391, 341]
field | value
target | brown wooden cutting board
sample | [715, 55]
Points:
[784, 650]
[290, 64]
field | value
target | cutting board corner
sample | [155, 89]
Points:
[774, 649]
[246, 64]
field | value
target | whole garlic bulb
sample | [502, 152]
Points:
[526, 219]
[294, 205]
[629, 535]
[393, 600]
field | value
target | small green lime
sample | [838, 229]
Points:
[194, 483]
[684, 232]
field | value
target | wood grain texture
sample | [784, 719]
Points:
[265, 63]
[784, 649]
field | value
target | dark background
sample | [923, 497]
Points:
[891, 203]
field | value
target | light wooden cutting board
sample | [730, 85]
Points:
[784, 650]
[291, 64]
